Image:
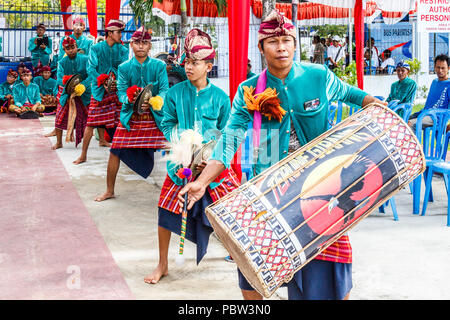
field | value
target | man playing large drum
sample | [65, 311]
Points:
[294, 111]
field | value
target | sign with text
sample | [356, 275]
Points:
[433, 15]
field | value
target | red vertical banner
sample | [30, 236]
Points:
[112, 10]
[238, 28]
[359, 40]
[91, 6]
[66, 6]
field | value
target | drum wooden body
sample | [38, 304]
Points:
[274, 224]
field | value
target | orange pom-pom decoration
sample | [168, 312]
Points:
[266, 102]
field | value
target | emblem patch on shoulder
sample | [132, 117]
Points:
[311, 104]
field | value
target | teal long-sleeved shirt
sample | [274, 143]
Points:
[77, 65]
[83, 44]
[46, 87]
[132, 72]
[185, 108]
[5, 89]
[104, 59]
[23, 94]
[304, 95]
[404, 90]
[37, 53]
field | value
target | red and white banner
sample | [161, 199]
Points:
[433, 16]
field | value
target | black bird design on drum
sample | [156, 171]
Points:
[331, 197]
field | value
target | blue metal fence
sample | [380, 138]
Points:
[19, 25]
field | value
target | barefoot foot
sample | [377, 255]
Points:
[51, 134]
[160, 271]
[104, 144]
[79, 160]
[57, 146]
[107, 195]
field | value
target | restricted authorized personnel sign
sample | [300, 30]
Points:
[433, 15]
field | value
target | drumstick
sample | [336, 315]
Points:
[185, 174]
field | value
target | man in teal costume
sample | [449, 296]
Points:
[104, 109]
[405, 88]
[304, 91]
[40, 52]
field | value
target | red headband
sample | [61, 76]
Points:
[68, 41]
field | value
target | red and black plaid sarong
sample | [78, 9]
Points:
[106, 112]
[169, 192]
[143, 133]
[62, 116]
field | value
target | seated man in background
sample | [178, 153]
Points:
[6, 93]
[439, 94]
[26, 96]
[387, 63]
[47, 88]
[405, 88]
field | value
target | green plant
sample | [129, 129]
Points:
[422, 91]
[347, 74]
[414, 65]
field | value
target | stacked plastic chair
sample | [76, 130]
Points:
[432, 139]
[436, 160]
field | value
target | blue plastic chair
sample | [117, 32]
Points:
[380, 98]
[247, 153]
[390, 69]
[407, 109]
[373, 70]
[443, 167]
[334, 113]
[432, 138]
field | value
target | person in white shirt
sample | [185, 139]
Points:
[388, 64]
[335, 53]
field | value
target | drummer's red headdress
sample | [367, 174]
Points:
[276, 25]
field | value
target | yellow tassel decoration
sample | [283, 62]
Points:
[156, 102]
[79, 89]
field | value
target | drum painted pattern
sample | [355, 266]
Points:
[281, 219]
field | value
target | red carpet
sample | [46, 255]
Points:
[50, 247]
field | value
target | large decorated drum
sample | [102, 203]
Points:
[277, 222]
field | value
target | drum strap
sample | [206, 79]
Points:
[260, 87]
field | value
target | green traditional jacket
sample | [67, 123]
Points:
[5, 89]
[38, 53]
[132, 72]
[304, 95]
[22, 94]
[83, 43]
[46, 87]
[405, 91]
[104, 59]
[185, 108]
[78, 65]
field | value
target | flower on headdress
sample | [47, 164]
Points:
[266, 102]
